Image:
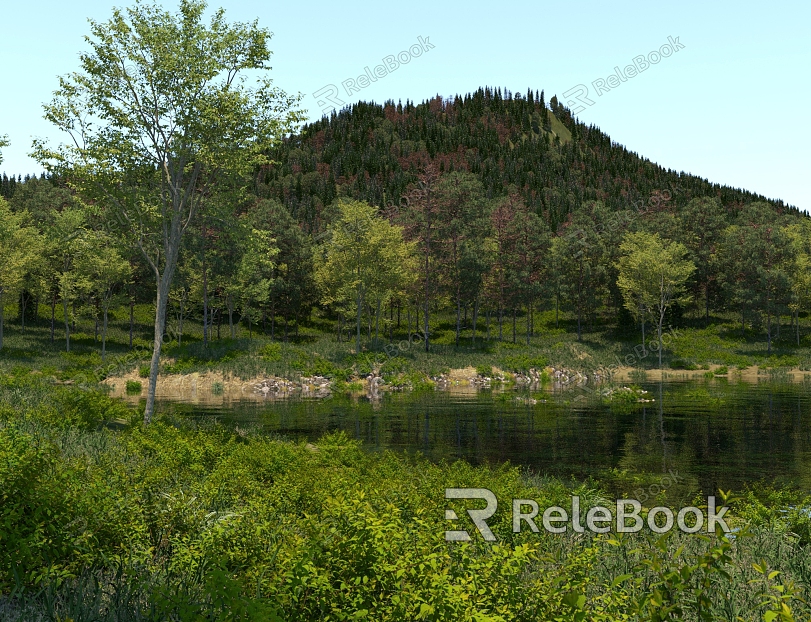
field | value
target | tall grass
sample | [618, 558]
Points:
[105, 520]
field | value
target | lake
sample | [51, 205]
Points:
[714, 433]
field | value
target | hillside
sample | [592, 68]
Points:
[373, 152]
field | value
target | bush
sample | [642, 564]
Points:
[133, 387]
[484, 370]
[143, 371]
[523, 362]
[314, 365]
[271, 352]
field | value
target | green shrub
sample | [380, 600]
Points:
[217, 388]
[271, 352]
[133, 387]
[484, 370]
[311, 364]
[143, 371]
[523, 362]
[722, 371]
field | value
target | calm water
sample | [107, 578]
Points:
[715, 433]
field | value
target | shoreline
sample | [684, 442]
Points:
[216, 387]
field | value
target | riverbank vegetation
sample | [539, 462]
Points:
[104, 519]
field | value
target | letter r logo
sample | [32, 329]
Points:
[330, 100]
[477, 516]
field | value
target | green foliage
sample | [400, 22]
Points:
[134, 387]
[524, 362]
[271, 352]
[311, 364]
[484, 370]
[364, 262]
[679, 363]
[190, 522]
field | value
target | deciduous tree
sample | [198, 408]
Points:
[652, 274]
[159, 113]
[20, 247]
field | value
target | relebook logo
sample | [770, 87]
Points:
[626, 517]
[577, 97]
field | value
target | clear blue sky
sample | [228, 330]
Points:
[731, 106]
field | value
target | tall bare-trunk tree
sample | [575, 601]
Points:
[158, 115]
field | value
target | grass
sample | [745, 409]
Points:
[188, 521]
[316, 352]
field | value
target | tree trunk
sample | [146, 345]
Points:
[707, 304]
[67, 324]
[377, 322]
[531, 320]
[104, 333]
[53, 319]
[643, 335]
[230, 302]
[475, 317]
[161, 305]
[23, 305]
[425, 320]
[458, 315]
[408, 319]
[180, 324]
[205, 302]
[427, 287]
[500, 323]
[359, 300]
[661, 319]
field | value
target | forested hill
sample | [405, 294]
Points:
[373, 152]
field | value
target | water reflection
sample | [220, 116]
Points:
[719, 434]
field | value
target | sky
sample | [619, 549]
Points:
[728, 104]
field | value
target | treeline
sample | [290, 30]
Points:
[487, 207]
[510, 142]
